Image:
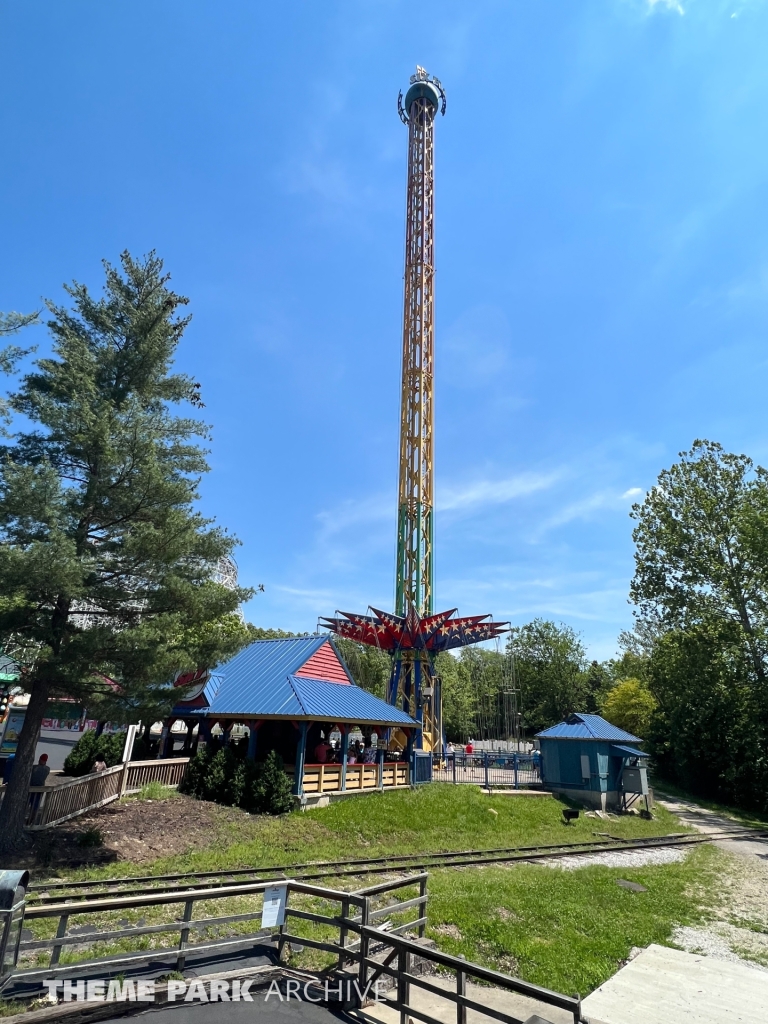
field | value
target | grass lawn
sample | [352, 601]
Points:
[567, 930]
[439, 817]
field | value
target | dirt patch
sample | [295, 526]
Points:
[447, 929]
[145, 830]
[507, 915]
[139, 831]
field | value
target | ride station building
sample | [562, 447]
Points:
[292, 696]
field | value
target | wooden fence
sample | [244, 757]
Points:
[330, 778]
[52, 805]
[366, 941]
[168, 772]
[373, 904]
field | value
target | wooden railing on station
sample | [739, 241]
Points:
[52, 805]
[168, 772]
[327, 778]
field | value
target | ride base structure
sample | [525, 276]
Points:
[414, 635]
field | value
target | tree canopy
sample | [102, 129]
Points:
[550, 665]
[630, 706]
[701, 591]
[107, 569]
[702, 547]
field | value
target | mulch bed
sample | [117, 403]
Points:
[139, 831]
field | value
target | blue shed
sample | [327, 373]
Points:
[592, 761]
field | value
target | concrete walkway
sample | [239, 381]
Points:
[667, 986]
[444, 1010]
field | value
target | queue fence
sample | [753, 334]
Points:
[489, 769]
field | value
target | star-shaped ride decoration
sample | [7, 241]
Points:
[412, 633]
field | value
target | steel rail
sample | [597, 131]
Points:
[51, 884]
[383, 865]
[98, 885]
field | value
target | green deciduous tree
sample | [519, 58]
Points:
[106, 567]
[630, 706]
[459, 699]
[369, 666]
[702, 547]
[551, 671]
[701, 590]
[708, 732]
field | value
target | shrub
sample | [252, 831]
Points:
[234, 781]
[90, 836]
[194, 781]
[108, 746]
[274, 786]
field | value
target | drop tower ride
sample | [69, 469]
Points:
[414, 635]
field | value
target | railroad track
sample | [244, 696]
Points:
[53, 892]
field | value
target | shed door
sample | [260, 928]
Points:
[586, 772]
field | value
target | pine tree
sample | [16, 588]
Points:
[106, 567]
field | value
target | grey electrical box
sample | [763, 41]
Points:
[635, 780]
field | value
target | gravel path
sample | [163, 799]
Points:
[739, 929]
[619, 859]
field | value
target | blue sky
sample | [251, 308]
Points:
[602, 264]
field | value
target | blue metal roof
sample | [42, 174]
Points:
[627, 751]
[260, 681]
[322, 699]
[587, 727]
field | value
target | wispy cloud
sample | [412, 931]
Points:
[483, 493]
[668, 5]
[584, 508]
[376, 508]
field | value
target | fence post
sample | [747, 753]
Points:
[180, 960]
[485, 760]
[515, 763]
[453, 757]
[403, 985]
[461, 990]
[343, 933]
[422, 906]
[365, 912]
[124, 779]
[38, 812]
[281, 934]
[61, 931]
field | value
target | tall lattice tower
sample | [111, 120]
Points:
[415, 522]
[414, 635]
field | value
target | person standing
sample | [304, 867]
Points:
[40, 772]
[321, 752]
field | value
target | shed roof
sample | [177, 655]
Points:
[627, 751]
[262, 681]
[587, 727]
